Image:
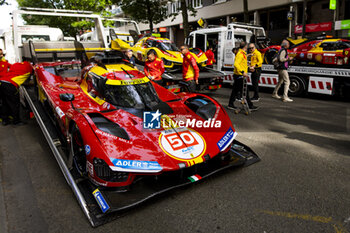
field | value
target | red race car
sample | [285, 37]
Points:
[318, 52]
[120, 128]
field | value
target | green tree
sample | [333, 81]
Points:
[145, 11]
[185, 9]
[69, 26]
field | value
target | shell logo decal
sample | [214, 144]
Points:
[318, 57]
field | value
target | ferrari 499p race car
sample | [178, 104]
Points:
[318, 52]
[165, 49]
[123, 131]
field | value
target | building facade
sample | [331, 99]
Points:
[271, 14]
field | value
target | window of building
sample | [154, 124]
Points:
[195, 3]
[218, 1]
[175, 7]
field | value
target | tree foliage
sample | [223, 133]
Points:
[69, 26]
[185, 9]
[145, 11]
[3, 2]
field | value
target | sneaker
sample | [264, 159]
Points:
[253, 108]
[287, 100]
[254, 99]
[276, 96]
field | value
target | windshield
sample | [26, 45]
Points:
[165, 45]
[139, 96]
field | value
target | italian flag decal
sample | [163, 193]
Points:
[194, 178]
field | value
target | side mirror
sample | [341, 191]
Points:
[67, 97]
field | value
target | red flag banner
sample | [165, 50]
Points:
[314, 27]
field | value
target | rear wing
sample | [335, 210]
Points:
[54, 51]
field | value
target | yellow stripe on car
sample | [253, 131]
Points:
[127, 82]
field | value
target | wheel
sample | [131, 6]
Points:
[297, 86]
[77, 151]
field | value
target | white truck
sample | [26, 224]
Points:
[26, 33]
[12, 41]
[321, 80]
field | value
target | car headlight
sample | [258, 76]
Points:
[167, 62]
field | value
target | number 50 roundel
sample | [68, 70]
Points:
[184, 145]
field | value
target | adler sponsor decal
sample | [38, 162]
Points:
[135, 165]
[227, 139]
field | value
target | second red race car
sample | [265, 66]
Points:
[315, 52]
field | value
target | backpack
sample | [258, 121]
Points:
[276, 61]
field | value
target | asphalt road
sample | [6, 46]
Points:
[301, 185]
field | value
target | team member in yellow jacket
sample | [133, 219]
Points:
[240, 72]
[255, 67]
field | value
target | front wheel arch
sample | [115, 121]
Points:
[77, 154]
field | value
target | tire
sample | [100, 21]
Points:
[36, 87]
[269, 56]
[297, 86]
[77, 151]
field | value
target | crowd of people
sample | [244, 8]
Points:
[248, 59]
[242, 66]
[154, 67]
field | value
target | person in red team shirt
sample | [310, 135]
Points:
[190, 70]
[211, 57]
[9, 84]
[154, 67]
[4, 65]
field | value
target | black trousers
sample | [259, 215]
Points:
[236, 89]
[10, 101]
[255, 82]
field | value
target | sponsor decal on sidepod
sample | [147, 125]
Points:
[227, 139]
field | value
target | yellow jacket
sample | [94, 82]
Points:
[256, 59]
[241, 63]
